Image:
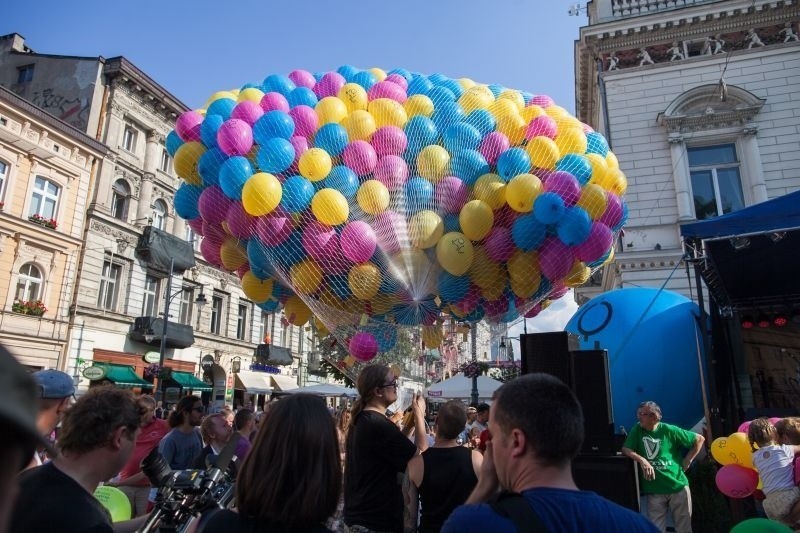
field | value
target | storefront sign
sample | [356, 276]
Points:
[152, 357]
[94, 372]
[207, 362]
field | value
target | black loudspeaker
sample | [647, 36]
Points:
[613, 477]
[590, 383]
[548, 353]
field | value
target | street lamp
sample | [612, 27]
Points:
[200, 301]
[473, 337]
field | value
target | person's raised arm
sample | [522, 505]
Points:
[488, 483]
[420, 436]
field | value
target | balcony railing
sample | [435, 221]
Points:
[144, 327]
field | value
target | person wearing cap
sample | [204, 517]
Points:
[472, 413]
[481, 417]
[18, 432]
[56, 391]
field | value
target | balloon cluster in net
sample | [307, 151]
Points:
[369, 201]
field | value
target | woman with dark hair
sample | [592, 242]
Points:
[291, 479]
[377, 454]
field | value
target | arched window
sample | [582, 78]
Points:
[160, 215]
[121, 193]
[29, 283]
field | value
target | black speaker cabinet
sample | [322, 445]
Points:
[590, 382]
[613, 477]
[548, 353]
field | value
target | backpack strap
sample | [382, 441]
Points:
[517, 509]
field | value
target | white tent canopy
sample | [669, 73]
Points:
[253, 382]
[325, 389]
[460, 387]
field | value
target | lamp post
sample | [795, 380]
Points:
[473, 337]
[200, 301]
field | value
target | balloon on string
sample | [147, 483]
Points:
[736, 481]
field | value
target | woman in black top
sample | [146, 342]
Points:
[292, 476]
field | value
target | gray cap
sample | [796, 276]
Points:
[54, 384]
[18, 401]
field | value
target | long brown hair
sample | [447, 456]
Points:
[185, 405]
[371, 377]
[292, 475]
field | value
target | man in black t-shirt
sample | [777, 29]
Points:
[377, 454]
[97, 436]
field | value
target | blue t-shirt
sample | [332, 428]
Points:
[180, 449]
[558, 509]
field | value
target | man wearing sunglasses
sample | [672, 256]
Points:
[182, 444]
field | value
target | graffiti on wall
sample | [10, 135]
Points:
[74, 111]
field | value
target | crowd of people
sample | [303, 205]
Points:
[300, 466]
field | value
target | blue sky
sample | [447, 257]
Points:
[196, 48]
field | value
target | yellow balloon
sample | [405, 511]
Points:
[433, 162]
[232, 255]
[425, 228]
[186, 159]
[322, 329]
[381, 304]
[571, 141]
[512, 126]
[523, 265]
[522, 191]
[360, 125]
[251, 94]
[593, 200]
[387, 112]
[545, 304]
[330, 207]
[306, 276]
[493, 292]
[329, 298]
[432, 336]
[531, 112]
[491, 188]
[503, 107]
[476, 219]
[373, 197]
[455, 253]
[556, 111]
[544, 153]
[599, 167]
[364, 281]
[484, 272]
[527, 287]
[315, 164]
[261, 194]
[419, 104]
[578, 275]
[330, 109]
[610, 257]
[477, 97]
[220, 94]
[514, 96]
[611, 160]
[379, 74]
[296, 311]
[466, 83]
[619, 183]
[353, 96]
[258, 290]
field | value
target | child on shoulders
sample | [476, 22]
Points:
[775, 465]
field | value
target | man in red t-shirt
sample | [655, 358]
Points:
[132, 480]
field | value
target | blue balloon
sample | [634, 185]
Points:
[342, 179]
[421, 131]
[452, 288]
[366, 79]
[577, 165]
[250, 85]
[453, 86]
[548, 207]
[302, 96]
[526, 96]
[483, 120]
[332, 138]
[232, 176]
[650, 336]
[528, 233]
[279, 84]
[440, 95]
[402, 72]
[186, 198]
[451, 223]
[596, 144]
[469, 165]
[260, 264]
[512, 162]
[496, 89]
[173, 142]
[339, 285]
[348, 71]
[275, 155]
[461, 135]
[419, 85]
[419, 194]
[446, 113]
[574, 226]
[290, 251]
[438, 78]
[269, 306]
[297, 194]
[209, 164]
[222, 107]
[208, 130]
[273, 124]
[386, 337]
[476, 315]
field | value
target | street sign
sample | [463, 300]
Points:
[151, 357]
[94, 372]
[207, 362]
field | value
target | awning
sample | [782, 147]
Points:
[124, 376]
[189, 381]
[283, 382]
[253, 382]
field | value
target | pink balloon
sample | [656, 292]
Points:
[397, 79]
[470, 301]
[596, 245]
[329, 85]
[541, 126]
[275, 228]
[235, 137]
[558, 291]
[565, 185]
[302, 78]
[494, 144]
[248, 111]
[774, 420]
[197, 225]
[613, 213]
[213, 205]
[210, 252]
[358, 241]
[505, 217]
[319, 241]
[387, 89]
[744, 426]
[305, 120]
[499, 245]
[495, 308]
[188, 126]
[392, 171]
[274, 102]
[555, 259]
[240, 224]
[541, 100]
[736, 481]
[242, 270]
[300, 145]
[360, 156]
[533, 311]
[363, 346]
[451, 194]
[214, 233]
[388, 225]
[389, 140]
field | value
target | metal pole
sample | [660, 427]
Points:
[474, 343]
[162, 351]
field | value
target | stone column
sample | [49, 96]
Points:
[152, 152]
[143, 209]
[751, 165]
[683, 185]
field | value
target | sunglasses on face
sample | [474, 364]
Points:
[647, 414]
[392, 385]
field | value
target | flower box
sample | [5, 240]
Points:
[42, 221]
[30, 307]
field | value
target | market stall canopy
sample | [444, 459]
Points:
[189, 381]
[124, 376]
[461, 387]
[748, 257]
[325, 389]
[283, 383]
[254, 382]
